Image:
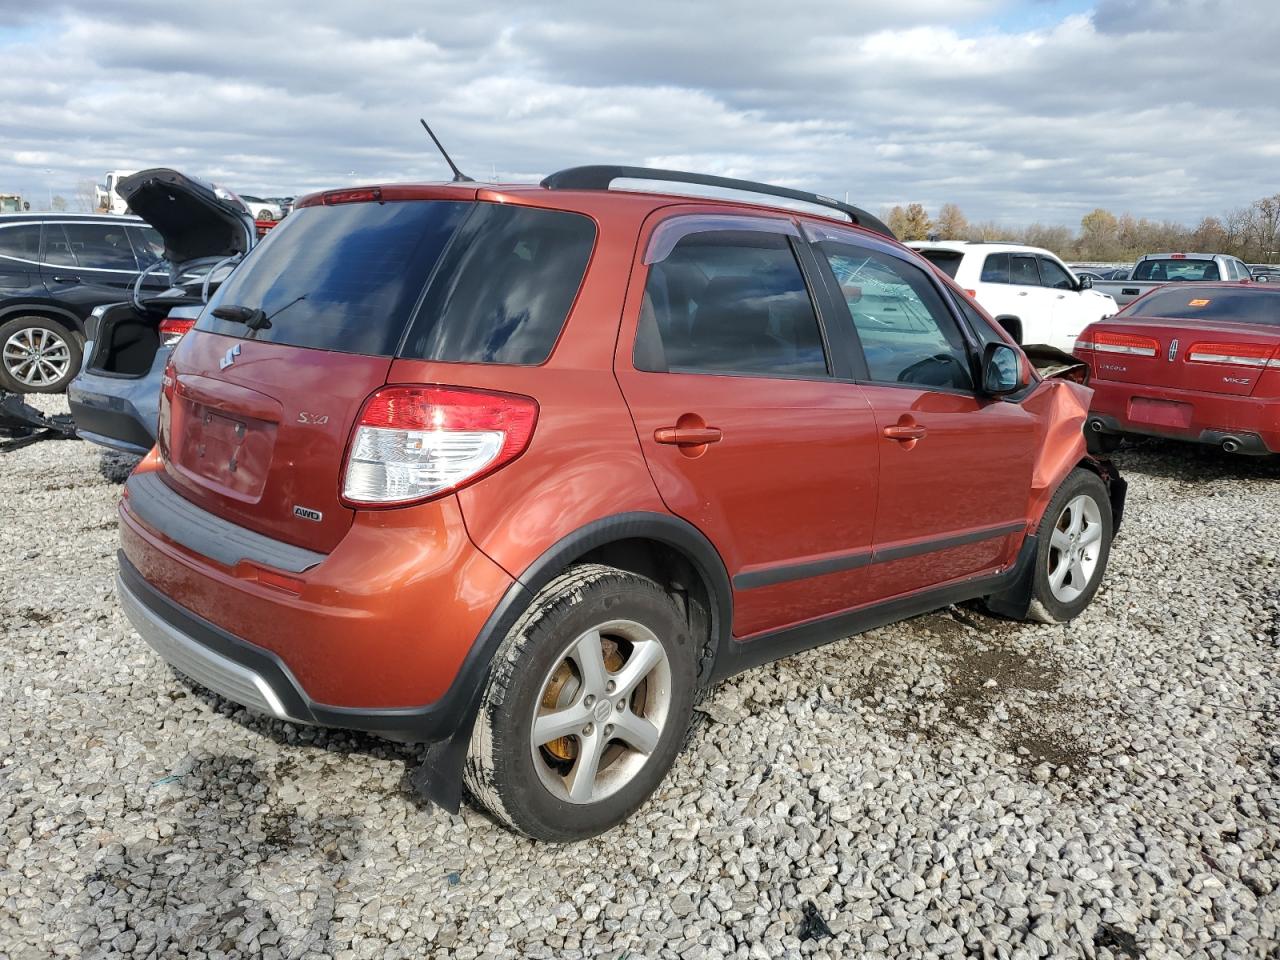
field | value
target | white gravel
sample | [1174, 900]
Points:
[951, 786]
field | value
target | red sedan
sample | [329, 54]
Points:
[1195, 363]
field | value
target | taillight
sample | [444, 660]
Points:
[172, 329]
[1106, 342]
[360, 195]
[1236, 354]
[413, 443]
[971, 294]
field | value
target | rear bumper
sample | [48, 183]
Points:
[381, 634]
[118, 412]
[1211, 418]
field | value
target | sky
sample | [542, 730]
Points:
[1020, 112]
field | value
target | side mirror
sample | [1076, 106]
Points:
[1000, 369]
[1086, 283]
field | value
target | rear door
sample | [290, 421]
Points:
[750, 427]
[88, 264]
[955, 467]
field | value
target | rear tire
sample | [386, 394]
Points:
[38, 355]
[1072, 548]
[610, 723]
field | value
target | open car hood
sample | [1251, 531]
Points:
[195, 219]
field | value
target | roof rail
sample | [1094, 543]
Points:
[601, 177]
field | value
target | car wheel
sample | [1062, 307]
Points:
[265, 215]
[1072, 548]
[586, 706]
[37, 355]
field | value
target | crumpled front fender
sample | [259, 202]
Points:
[1061, 408]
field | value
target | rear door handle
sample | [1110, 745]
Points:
[61, 278]
[905, 433]
[687, 436]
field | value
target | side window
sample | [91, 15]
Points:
[981, 328]
[1022, 270]
[21, 241]
[995, 269]
[57, 250]
[101, 246]
[729, 301]
[147, 245]
[908, 335]
[1052, 275]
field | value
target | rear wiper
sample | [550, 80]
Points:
[253, 318]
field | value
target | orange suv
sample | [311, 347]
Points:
[521, 471]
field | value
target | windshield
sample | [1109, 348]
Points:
[1240, 305]
[1177, 269]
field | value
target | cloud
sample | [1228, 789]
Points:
[1159, 107]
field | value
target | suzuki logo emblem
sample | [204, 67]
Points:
[229, 357]
[1173, 349]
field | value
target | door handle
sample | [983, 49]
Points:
[62, 278]
[687, 436]
[1022, 293]
[1062, 296]
[905, 432]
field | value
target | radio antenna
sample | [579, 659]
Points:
[458, 175]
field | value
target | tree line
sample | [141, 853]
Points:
[1251, 233]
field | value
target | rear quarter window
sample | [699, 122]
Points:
[504, 288]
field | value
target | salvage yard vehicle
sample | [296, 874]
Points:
[1156, 269]
[55, 268]
[199, 233]
[1199, 363]
[263, 209]
[521, 471]
[1029, 291]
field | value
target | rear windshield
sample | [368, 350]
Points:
[948, 261]
[1177, 270]
[350, 278]
[1240, 305]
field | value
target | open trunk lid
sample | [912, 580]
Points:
[196, 220]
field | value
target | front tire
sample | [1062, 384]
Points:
[586, 706]
[1072, 548]
[37, 355]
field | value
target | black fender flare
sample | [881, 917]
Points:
[439, 778]
[70, 318]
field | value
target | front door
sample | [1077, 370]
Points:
[955, 466]
[1072, 310]
[748, 434]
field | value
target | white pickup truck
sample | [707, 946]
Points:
[1156, 269]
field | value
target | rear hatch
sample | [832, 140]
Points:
[1211, 339]
[255, 423]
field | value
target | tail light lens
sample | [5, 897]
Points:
[414, 443]
[173, 328]
[1106, 342]
[1236, 354]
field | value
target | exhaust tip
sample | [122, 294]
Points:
[1230, 444]
[1095, 426]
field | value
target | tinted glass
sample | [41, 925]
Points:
[977, 322]
[948, 261]
[505, 286]
[1052, 275]
[1022, 270]
[907, 333]
[730, 302]
[1176, 270]
[995, 269]
[21, 241]
[147, 245]
[342, 277]
[1240, 305]
[101, 246]
[57, 249]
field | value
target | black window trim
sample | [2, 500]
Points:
[784, 227]
[835, 234]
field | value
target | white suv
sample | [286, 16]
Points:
[1028, 290]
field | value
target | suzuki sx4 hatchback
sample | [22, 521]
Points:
[522, 471]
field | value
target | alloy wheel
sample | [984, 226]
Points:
[601, 711]
[1074, 548]
[36, 357]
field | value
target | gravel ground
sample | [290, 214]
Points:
[951, 786]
